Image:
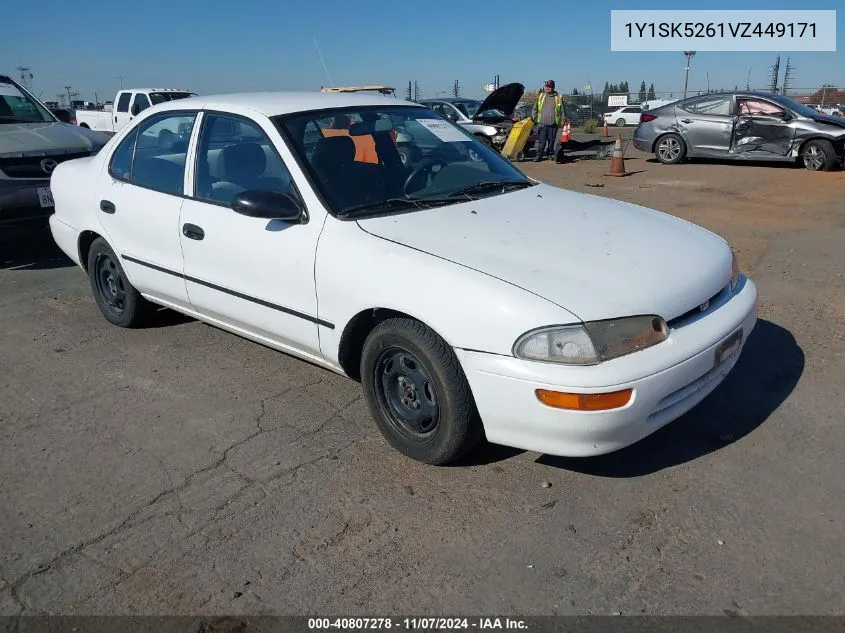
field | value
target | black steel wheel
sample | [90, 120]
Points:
[405, 392]
[417, 392]
[116, 297]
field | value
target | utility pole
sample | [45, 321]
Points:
[416, 91]
[708, 82]
[456, 89]
[70, 95]
[773, 84]
[748, 81]
[121, 81]
[689, 55]
[25, 74]
[410, 94]
[787, 75]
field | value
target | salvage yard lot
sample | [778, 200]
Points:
[180, 469]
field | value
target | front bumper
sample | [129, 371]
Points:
[19, 201]
[667, 380]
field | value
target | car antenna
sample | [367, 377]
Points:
[326, 68]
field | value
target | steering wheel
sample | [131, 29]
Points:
[424, 168]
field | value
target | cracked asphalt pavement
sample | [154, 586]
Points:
[179, 469]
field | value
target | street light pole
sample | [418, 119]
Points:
[689, 56]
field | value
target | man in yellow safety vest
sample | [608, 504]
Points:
[548, 114]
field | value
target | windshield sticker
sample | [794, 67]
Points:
[443, 130]
[8, 90]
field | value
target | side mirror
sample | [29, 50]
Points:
[269, 204]
[135, 109]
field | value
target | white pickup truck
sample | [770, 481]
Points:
[127, 105]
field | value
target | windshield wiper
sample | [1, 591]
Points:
[489, 185]
[402, 203]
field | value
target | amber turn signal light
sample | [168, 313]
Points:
[585, 401]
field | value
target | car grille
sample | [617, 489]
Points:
[30, 166]
[680, 320]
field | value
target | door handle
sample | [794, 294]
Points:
[192, 231]
[107, 206]
[115, 119]
[686, 120]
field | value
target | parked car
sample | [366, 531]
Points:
[130, 103]
[488, 120]
[742, 126]
[626, 115]
[441, 286]
[32, 142]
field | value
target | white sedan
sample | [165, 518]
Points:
[469, 300]
[627, 115]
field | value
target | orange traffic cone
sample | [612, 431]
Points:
[606, 132]
[617, 163]
[566, 136]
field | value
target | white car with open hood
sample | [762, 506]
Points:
[469, 300]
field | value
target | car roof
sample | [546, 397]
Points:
[450, 99]
[276, 103]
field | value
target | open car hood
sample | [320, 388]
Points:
[504, 99]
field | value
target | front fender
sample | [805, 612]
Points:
[356, 271]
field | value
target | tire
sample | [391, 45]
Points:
[819, 155]
[85, 125]
[620, 122]
[117, 299]
[670, 149]
[418, 394]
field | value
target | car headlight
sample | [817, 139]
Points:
[592, 342]
[734, 270]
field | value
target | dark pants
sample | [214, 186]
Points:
[546, 136]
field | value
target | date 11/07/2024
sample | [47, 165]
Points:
[721, 29]
[412, 624]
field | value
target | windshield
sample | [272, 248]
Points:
[374, 159]
[161, 97]
[794, 105]
[18, 107]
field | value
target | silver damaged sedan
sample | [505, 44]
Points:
[757, 126]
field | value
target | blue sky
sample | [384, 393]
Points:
[269, 45]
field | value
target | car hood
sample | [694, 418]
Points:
[829, 120]
[503, 99]
[595, 257]
[47, 138]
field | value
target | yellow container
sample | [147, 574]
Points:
[515, 144]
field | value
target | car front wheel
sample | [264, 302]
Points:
[819, 155]
[670, 149]
[620, 122]
[117, 299]
[417, 392]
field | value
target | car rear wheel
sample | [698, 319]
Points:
[819, 155]
[670, 149]
[417, 392]
[85, 125]
[620, 122]
[118, 300]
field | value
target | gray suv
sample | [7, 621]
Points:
[32, 142]
[742, 126]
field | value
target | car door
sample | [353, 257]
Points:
[632, 115]
[762, 129]
[251, 274]
[139, 204]
[706, 124]
[139, 103]
[121, 115]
